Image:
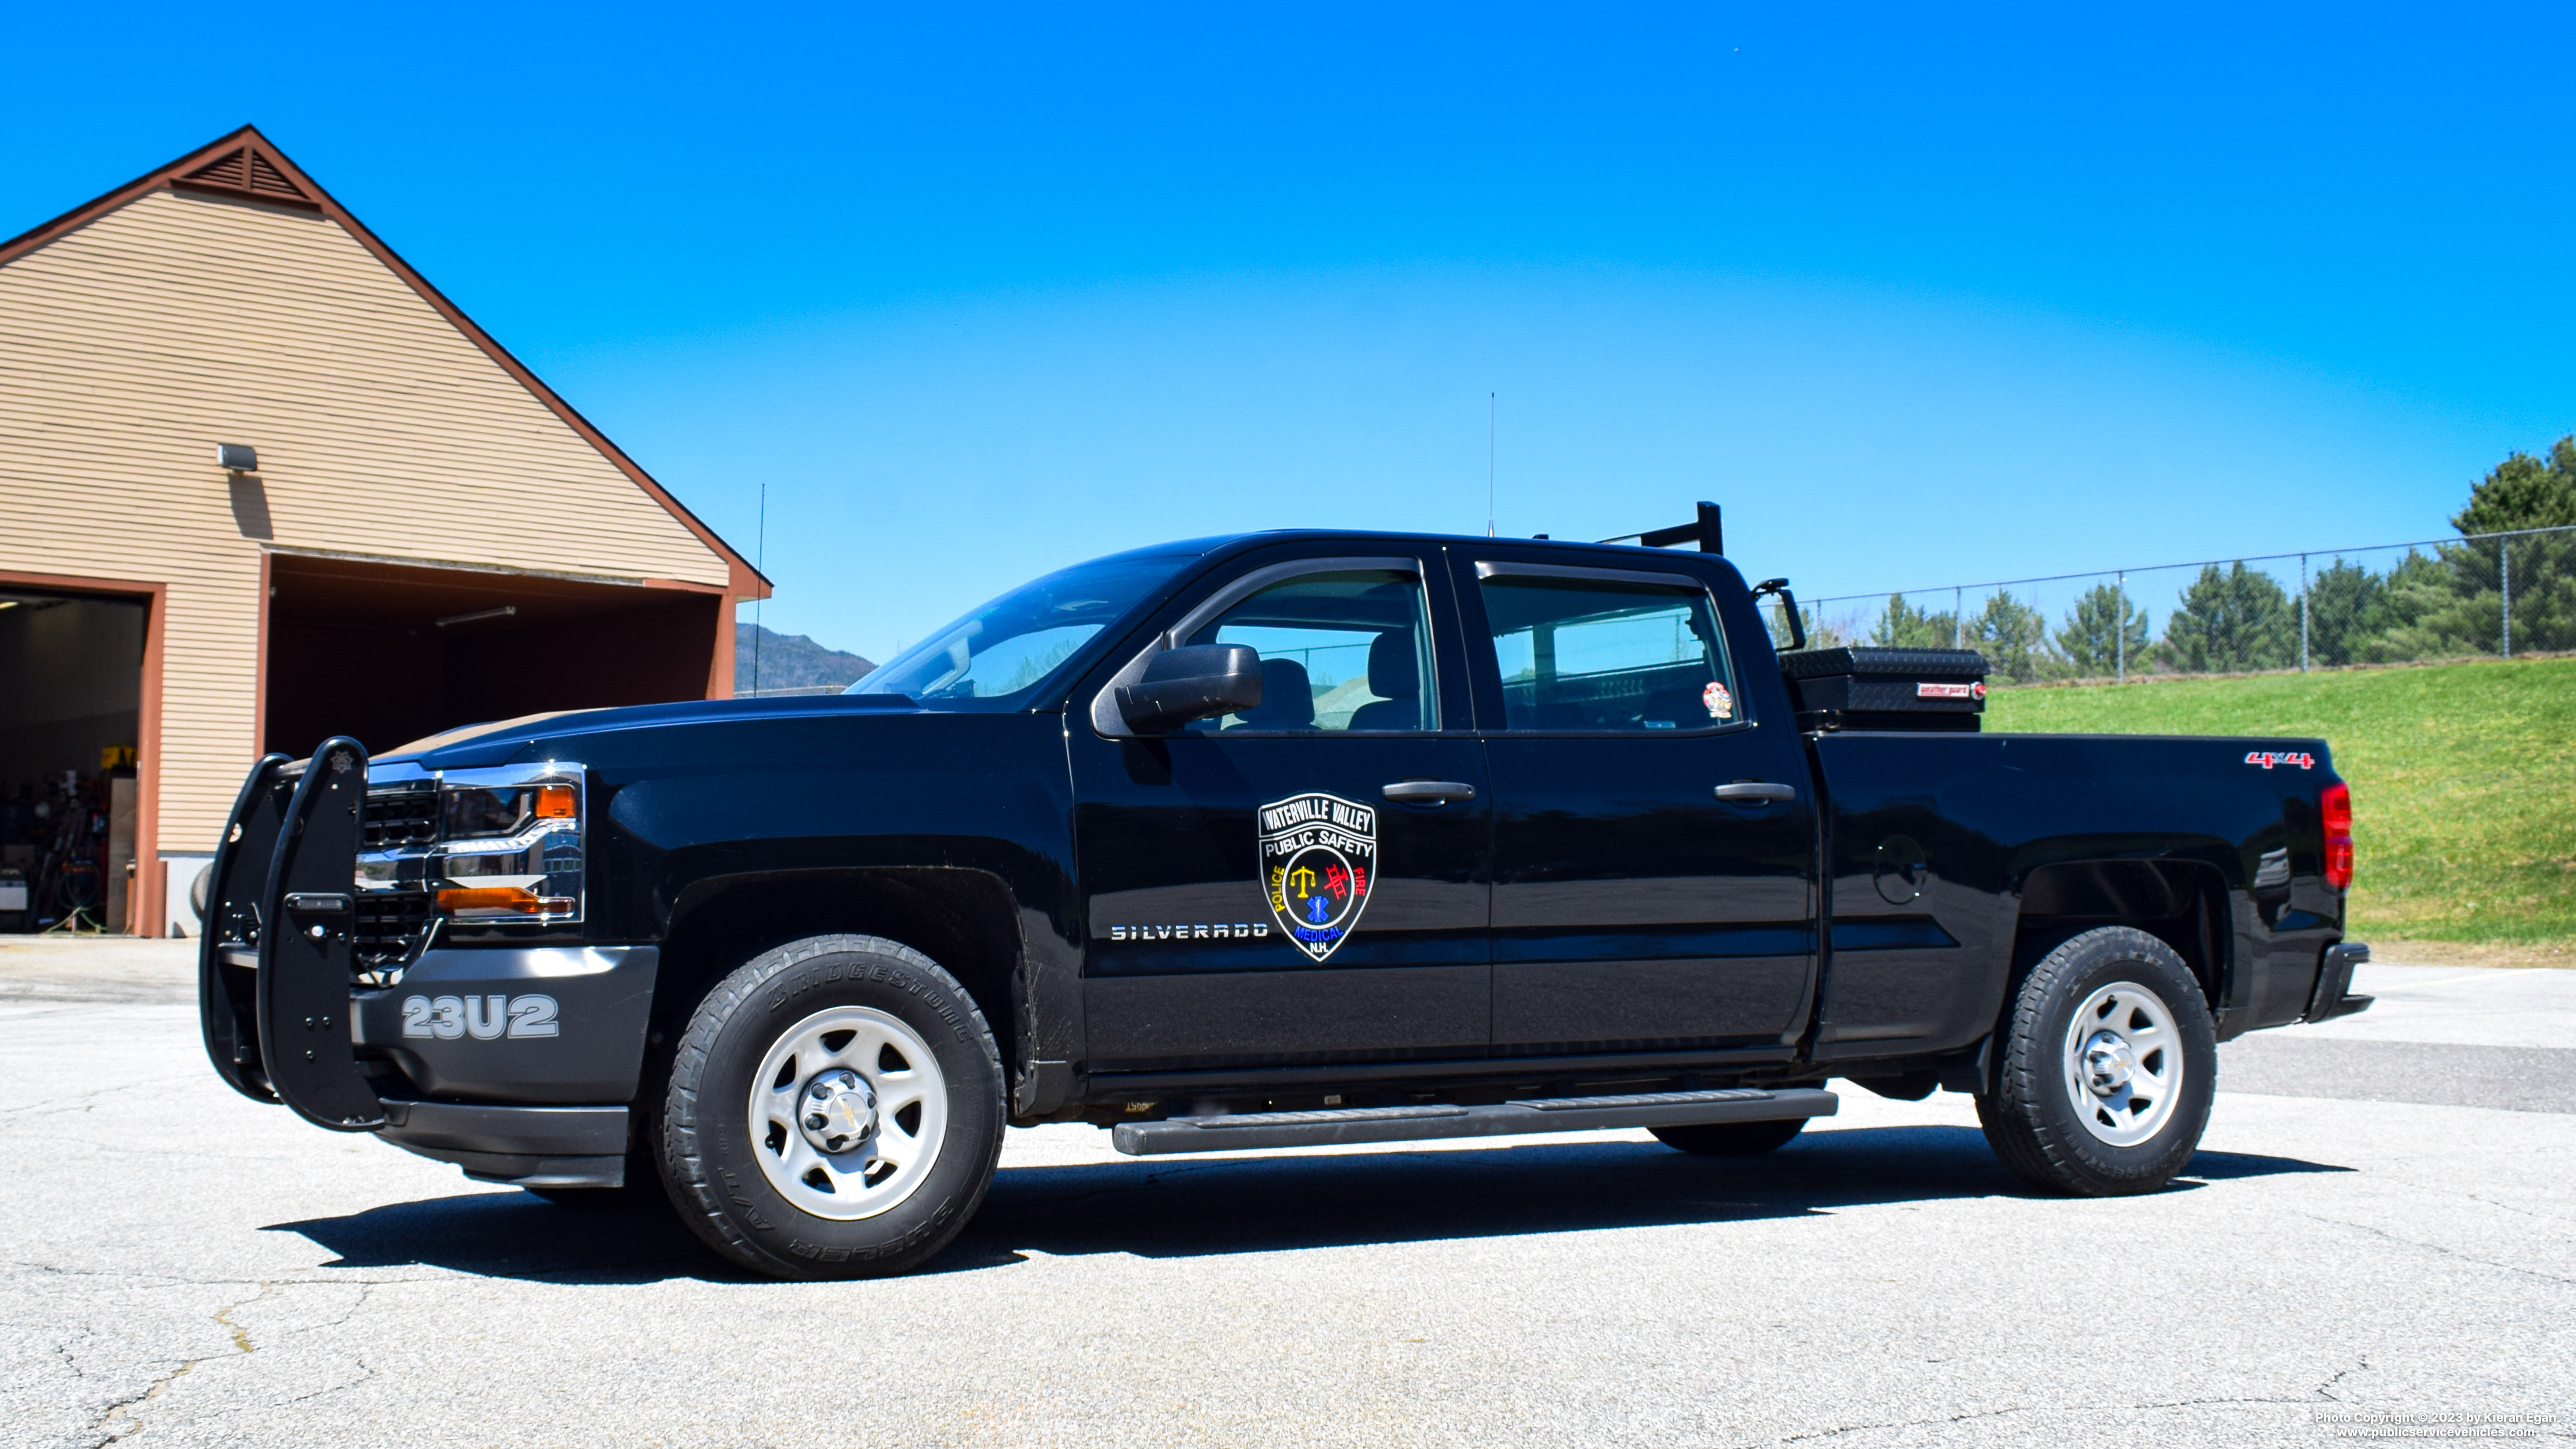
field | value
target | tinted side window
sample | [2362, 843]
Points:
[1594, 654]
[1348, 650]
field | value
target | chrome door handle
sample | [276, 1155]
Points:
[1755, 792]
[1429, 792]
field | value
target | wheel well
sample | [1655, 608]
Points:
[962, 919]
[2180, 902]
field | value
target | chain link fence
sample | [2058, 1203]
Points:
[2488, 595]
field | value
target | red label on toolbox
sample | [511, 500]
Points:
[1950, 691]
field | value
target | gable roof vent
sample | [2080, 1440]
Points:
[246, 171]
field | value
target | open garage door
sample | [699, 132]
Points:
[389, 653]
[71, 724]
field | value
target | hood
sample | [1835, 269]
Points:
[494, 742]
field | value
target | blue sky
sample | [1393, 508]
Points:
[1919, 294]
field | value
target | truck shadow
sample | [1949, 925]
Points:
[1184, 1207]
[1190, 1207]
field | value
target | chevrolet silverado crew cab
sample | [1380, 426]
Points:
[1293, 838]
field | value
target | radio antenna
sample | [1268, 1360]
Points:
[1490, 408]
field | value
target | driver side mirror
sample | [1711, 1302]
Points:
[1193, 682]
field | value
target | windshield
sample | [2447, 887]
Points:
[998, 654]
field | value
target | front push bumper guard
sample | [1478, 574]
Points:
[273, 963]
[281, 1022]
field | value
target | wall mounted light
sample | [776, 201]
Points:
[237, 457]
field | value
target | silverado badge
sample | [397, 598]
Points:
[1318, 860]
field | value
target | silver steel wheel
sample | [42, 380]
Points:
[2124, 1064]
[847, 1112]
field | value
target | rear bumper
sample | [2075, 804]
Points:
[521, 1146]
[2333, 996]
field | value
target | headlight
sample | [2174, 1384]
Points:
[511, 844]
[481, 811]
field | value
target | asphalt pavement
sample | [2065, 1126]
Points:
[2377, 1239]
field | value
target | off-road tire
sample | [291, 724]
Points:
[706, 1152]
[1731, 1139]
[2030, 1119]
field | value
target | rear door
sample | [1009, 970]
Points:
[1255, 892]
[1654, 827]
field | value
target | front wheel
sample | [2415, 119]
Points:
[2110, 1063]
[835, 1111]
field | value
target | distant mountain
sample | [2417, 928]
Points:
[790, 661]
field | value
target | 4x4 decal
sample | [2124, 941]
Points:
[2268, 758]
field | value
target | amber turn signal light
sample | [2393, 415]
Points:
[556, 802]
[516, 899]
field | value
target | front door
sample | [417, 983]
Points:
[1256, 892]
[1654, 831]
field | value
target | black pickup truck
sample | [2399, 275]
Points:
[1294, 838]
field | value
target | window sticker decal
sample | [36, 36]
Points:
[1318, 864]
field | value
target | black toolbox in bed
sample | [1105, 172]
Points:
[1887, 689]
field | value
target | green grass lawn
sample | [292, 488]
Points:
[2463, 779]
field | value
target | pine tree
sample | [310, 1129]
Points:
[2014, 638]
[2348, 605]
[2090, 641]
[1902, 626]
[2522, 492]
[2232, 622]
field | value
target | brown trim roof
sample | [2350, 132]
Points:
[247, 164]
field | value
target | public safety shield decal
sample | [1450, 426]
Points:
[1318, 861]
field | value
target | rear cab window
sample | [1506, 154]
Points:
[1601, 651]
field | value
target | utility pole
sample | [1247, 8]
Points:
[2303, 613]
[2120, 627]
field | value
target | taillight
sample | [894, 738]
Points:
[2334, 811]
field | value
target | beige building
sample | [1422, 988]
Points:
[259, 484]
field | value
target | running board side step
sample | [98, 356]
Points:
[1340, 1126]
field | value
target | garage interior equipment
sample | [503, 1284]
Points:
[71, 694]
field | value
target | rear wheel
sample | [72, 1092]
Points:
[835, 1111]
[1731, 1139]
[2110, 1064]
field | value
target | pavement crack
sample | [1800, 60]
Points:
[106, 1425]
[2388, 1236]
[2324, 1390]
[1939, 1420]
[365, 1372]
[1841, 1429]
